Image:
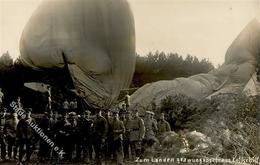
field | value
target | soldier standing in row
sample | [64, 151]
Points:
[123, 108]
[126, 140]
[150, 130]
[2, 134]
[118, 130]
[47, 125]
[84, 137]
[59, 128]
[73, 105]
[65, 106]
[71, 132]
[154, 120]
[163, 126]
[99, 134]
[109, 137]
[11, 128]
[122, 112]
[25, 135]
[80, 137]
[88, 136]
[137, 132]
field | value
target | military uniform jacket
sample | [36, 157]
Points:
[118, 129]
[47, 125]
[60, 128]
[100, 127]
[24, 131]
[66, 129]
[73, 128]
[137, 129]
[85, 127]
[11, 127]
[109, 130]
[127, 125]
[163, 126]
[150, 128]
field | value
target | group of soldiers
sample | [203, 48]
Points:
[103, 135]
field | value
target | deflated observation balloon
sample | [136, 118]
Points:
[236, 74]
[97, 38]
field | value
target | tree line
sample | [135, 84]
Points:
[149, 68]
[152, 67]
[161, 66]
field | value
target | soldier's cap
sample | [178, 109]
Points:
[150, 112]
[28, 109]
[127, 112]
[114, 112]
[14, 114]
[72, 114]
[135, 110]
[105, 110]
[87, 112]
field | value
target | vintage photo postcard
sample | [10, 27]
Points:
[125, 82]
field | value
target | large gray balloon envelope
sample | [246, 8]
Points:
[233, 77]
[97, 37]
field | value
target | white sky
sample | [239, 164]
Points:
[204, 28]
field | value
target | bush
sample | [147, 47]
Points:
[179, 109]
[228, 120]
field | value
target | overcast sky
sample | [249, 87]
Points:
[204, 28]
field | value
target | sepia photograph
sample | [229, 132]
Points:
[129, 82]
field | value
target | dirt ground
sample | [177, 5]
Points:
[13, 162]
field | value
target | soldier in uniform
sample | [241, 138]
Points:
[2, 134]
[124, 109]
[71, 133]
[88, 137]
[150, 130]
[154, 120]
[99, 135]
[122, 112]
[163, 126]
[59, 128]
[55, 117]
[65, 106]
[73, 105]
[109, 137]
[10, 129]
[137, 132]
[56, 120]
[84, 143]
[118, 130]
[47, 125]
[126, 139]
[79, 137]
[25, 136]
